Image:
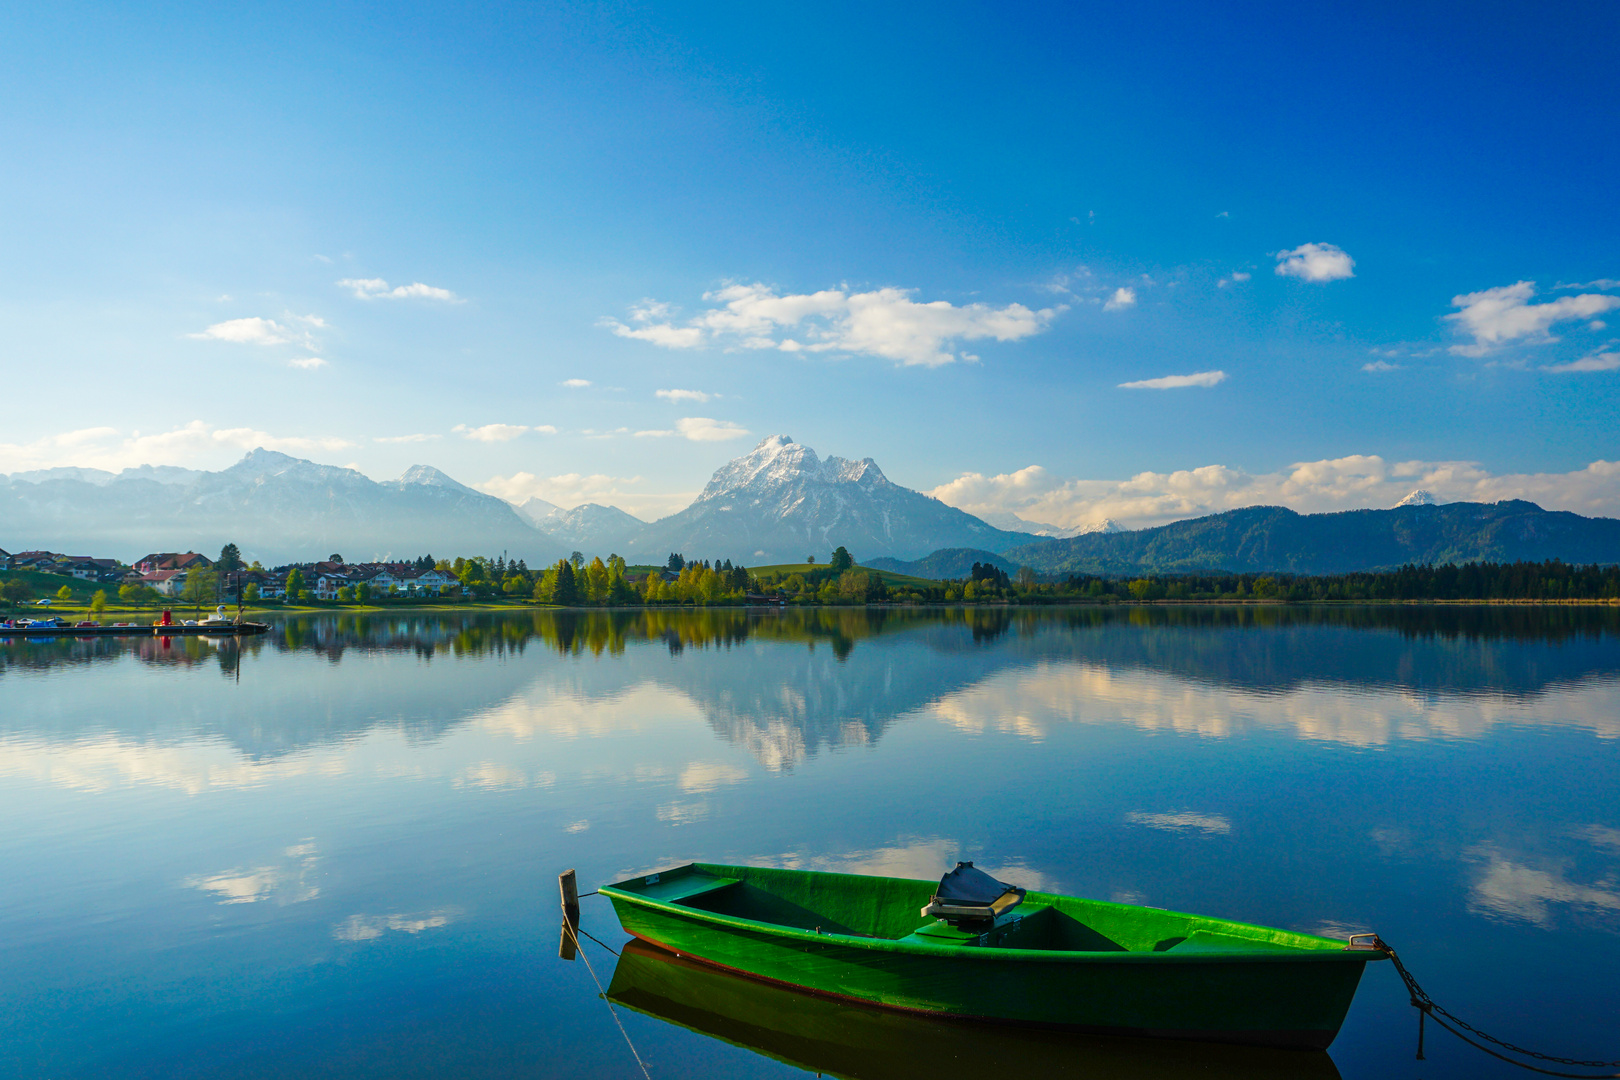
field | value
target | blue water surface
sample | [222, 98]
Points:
[332, 851]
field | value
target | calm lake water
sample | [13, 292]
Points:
[333, 851]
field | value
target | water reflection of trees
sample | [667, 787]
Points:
[576, 633]
[785, 684]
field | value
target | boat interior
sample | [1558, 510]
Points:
[889, 909]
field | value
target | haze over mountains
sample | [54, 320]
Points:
[778, 503]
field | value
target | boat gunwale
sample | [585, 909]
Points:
[1343, 954]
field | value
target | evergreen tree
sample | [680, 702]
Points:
[566, 591]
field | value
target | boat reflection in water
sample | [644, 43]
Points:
[841, 1039]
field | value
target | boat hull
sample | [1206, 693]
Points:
[1292, 999]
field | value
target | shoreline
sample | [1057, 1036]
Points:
[127, 613]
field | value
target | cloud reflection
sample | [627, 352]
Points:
[371, 927]
[924, 858]
[285, 883]
[1028, 702]
[1509, 889]
[1182, 821]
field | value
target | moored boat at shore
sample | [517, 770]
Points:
[61, 628]
[975, 948]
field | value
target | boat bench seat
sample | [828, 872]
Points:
[678, 889]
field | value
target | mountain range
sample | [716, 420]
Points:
[778, 503]
[1276, 539]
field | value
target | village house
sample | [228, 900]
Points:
[88, 569]
[165, 582]
[434, 580]
[171, 560]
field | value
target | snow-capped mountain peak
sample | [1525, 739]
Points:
[778, 463]
[1420, 497]
[780, 502]
[428, 476]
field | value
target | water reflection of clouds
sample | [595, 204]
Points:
[1182, 821]
[285, 882]
[371, 927]
[192, 767]
[922, 858]
[1027, 702]
[495, 776]
[1508, 888]
[565, 712]
[701, 776]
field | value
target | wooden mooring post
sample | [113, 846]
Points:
[568, 885]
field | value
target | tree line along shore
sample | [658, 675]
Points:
[611, 582]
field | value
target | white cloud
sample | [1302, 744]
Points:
[1176, 382]
[1123, 298]
[572, 489]
[698, 429]
[308, 363]
[1348, 483]
[406, 438]
[1603, 361]
[259, 331]
[885, 323]
[684, 395]
[1496, 317]
[1380, 365]
[196, 445]
[250, 331]
[576, 384]
[1316, 262]
[670, 337]
[377, 289]
[703, 429]
[492, 432]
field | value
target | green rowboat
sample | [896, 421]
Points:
[969, 948]
[852, 1041]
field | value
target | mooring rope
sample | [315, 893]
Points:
[1429, 1009]
[569, 927]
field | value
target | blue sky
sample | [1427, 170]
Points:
[941, 236]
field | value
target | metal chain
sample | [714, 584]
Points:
[1428, 1006]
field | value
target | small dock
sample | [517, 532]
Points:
[230, 629]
